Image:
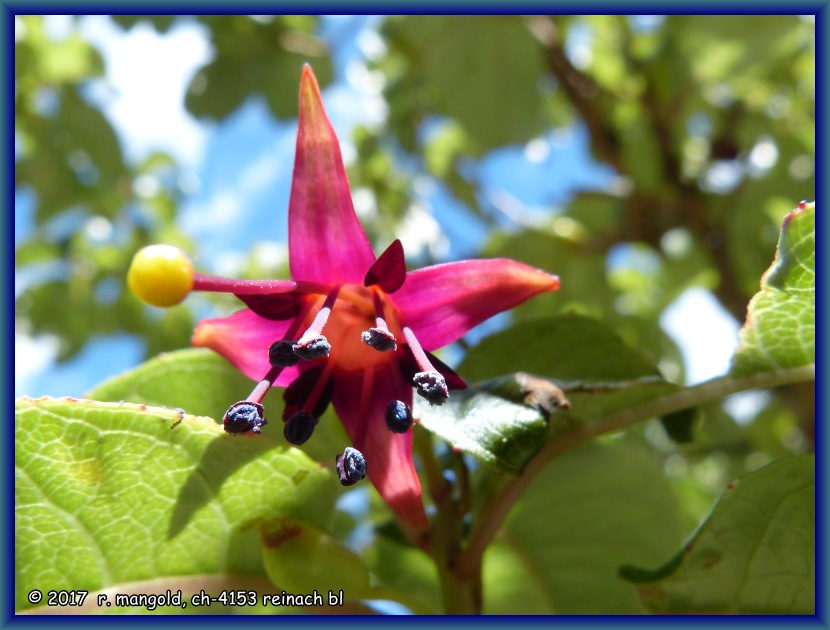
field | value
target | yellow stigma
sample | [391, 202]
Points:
[161, 275]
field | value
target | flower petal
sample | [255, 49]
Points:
[277, 306]
[297, 393]
[388, 455]
[244, 339]
[326, 242]
[389, 270]
[441, 303]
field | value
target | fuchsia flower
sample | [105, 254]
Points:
[351, 328]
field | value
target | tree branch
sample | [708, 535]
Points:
[499, 505]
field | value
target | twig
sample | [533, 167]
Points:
[499, 505]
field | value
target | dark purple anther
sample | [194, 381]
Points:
[244, 416]
[313, 349]
[281, 354]
[432, 386]
[379, 339]
[299, 427]
[398, 416]
[351, 466]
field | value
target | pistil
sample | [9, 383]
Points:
[217, 284]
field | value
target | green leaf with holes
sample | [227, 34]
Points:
[780, 329]
[754, 555]
[113, 493]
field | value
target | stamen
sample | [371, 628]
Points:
[432, 386]
[313, 348]
[299, 427]
[244, 416]
[429, 382]
[249, 414]
[351, 466]
[379, 337]
[398, 416]
[313, 345]
[281, 354]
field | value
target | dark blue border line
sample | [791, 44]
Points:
[7, 12]
[7, 270]
[822, 415]
[711, 7]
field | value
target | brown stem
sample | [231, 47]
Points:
[581, 90]
[461, 591]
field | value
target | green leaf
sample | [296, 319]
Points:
[780, 329]
[40, 58]
[584, 515]
[301, 558]
[197, 380]
[754, 555]
[109, 493]
[75, 160]
[505, 582]
[680, 425]
[501, 422]
[597, 371]
[257, 56]
[203, 383]
[492, 422]
[408, 570]
[567, 348]
[508, 61]
[160, 23]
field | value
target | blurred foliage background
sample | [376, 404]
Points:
[706, 121]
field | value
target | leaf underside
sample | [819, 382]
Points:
[754, 555]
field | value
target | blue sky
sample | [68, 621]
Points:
[237, 174]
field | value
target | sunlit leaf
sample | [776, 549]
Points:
[780, 327]
[52, 61]
[203, 383]
[406, 569]
[301, 558]
[754, 555]
[108, 493]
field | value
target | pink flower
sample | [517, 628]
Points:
[351, 328]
